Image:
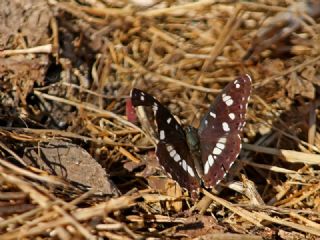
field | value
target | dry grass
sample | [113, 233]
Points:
[70, 77]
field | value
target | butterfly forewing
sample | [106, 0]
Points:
[220, 129]
[172, 149]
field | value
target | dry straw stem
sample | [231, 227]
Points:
[39, 49]
[105, 12]
[19, 159]
[184, 8]
[224, 37]
[286, 155]
[88, 107]
[28, 188]
[76, 11]
[94, 109]
[306, 221]
[296, 226]
[127, 154]
[36, 135]
[81, 89]
[26, 173]
[299, 196]
[292, 69]
[49, 215]
[79, 215]
[296, 139]
[279, 210]
[268, 167]
[229, 236]
[116, 225]
[82, 230]
[179, 9]
[155, 219]
[250, 217]
[313, 122]
[55, 38]
[158, 77]
[248, 189]
[260, 7]
[308, 227]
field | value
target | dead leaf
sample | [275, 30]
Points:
[71, 162]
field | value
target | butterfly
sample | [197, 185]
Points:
[200, 157]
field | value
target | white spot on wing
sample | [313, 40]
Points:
[210, 160]
[220, 145]
[216, 151]
[177, 157]
[206, 168]
[222, 140]
[232, 116]
[227, 99]
[172, 153]
[155, 107]
[169, 120]
[237, 85]
[162, 135]
[142, 97]
[225, 127]
[190, 171]
[184, 165]
[212, 114]
[229, 102]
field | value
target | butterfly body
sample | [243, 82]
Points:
[203, 156]
[193, 140]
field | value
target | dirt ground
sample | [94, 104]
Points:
[78, 162]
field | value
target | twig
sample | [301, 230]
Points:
[286, 155]
[39, 49]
